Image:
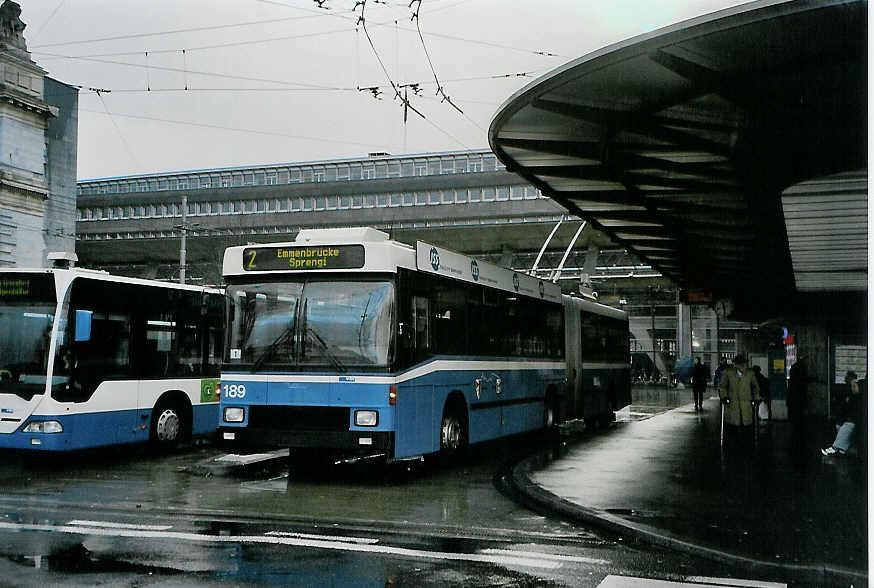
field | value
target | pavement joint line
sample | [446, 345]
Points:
[526, 488]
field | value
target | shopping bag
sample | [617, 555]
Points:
[763, 411]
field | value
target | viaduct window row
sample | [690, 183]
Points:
[313, 203]
[287, 229]
[339, 171]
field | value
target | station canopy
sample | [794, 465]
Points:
[728, 151]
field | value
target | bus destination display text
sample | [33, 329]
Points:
[318, 257]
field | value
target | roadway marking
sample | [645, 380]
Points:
[700, 581]
[108, 525]
[497, 557]
[362, 540]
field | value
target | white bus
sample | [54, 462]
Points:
[88, 359]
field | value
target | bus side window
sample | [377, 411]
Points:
[421, 324]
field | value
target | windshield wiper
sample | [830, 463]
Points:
[363, 318]
[326, 350]
[282, 338]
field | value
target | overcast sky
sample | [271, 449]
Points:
[197, 84]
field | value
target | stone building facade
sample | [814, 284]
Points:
[38, 136]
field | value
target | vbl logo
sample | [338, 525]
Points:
[435, 259]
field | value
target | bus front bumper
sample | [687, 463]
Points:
[345, 441]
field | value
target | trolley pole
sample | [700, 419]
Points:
[183, 229]
[182, 251]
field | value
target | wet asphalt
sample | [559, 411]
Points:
[135, 517]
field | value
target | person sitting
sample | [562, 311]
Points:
[851, 415]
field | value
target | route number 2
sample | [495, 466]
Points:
[234, 390]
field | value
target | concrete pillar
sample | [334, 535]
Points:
[684, 331]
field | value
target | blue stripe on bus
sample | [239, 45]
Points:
[99, 429]
[416, 418]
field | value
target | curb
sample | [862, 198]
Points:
[538, 498]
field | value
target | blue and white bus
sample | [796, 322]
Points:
[348, 342]
[88, 359]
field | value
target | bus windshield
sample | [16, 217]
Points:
[312, 325]
[27, 309]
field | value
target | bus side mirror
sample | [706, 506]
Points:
[83, 325]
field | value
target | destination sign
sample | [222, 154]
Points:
[309, 257]
[19, 286]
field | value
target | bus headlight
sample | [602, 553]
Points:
[366, 418]
[234, 414]
[43, 427]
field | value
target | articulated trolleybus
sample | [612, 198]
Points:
[88, 359]
[347, 342]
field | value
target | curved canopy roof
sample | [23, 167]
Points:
[680, 142]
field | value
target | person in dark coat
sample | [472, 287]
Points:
[796, 400]
[764, 388]
[700, 375]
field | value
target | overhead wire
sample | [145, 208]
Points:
[173, 31]
[235, 129]
[117, 128]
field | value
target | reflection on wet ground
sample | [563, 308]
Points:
[53, 505]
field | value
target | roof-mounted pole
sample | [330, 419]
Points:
[545, 243]
[557, 273]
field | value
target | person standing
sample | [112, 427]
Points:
[700, 375]
[796, 399]
[764, 389]
[739, 393]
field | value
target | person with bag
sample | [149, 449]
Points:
[739, 394]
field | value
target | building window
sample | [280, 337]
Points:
[293, 176]
[226, 181]
[369, 201]
[271, 179]
[447, 166]
[249, 179]
[367, 172]
[318, 175]
[259, 178]
[503, 193]
[421, 198]
[381, 170]
[421, 168]
[342, 172]
[394, 170]
[475, 164]
[382, 200]
[183, 184]
[306, 175]
[397, 199]
[345, 202]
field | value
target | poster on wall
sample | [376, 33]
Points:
[850, 357]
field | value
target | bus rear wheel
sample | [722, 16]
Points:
[452, 435]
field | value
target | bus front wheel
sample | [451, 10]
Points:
[168, 425]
